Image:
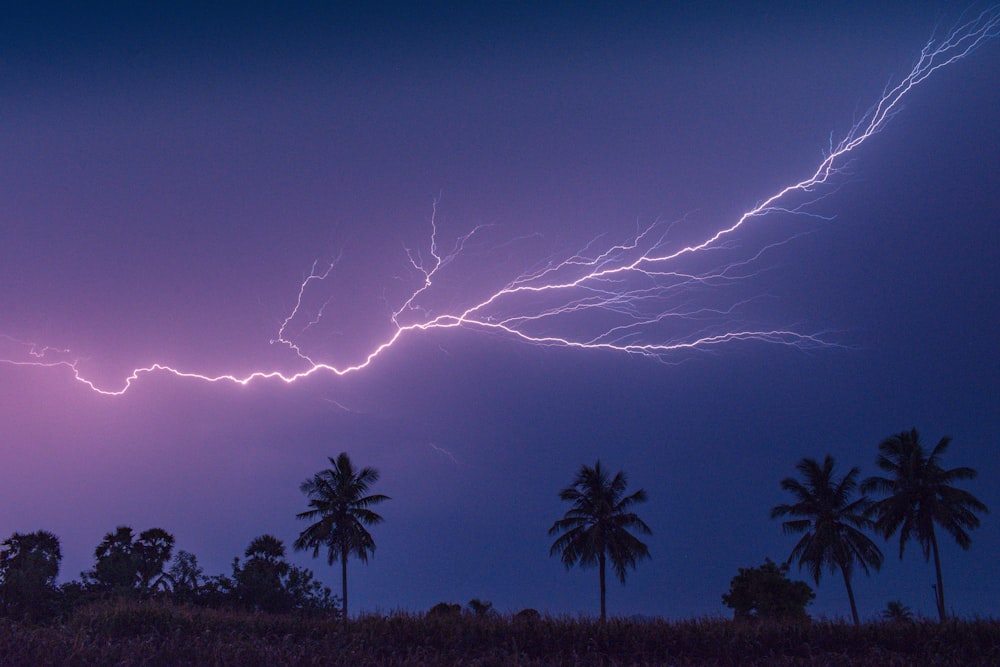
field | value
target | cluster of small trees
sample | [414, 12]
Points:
[141, 568]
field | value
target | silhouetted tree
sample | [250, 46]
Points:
[897, 612]
[307, 593]
[919, 495]
[340, 505]
[128, 566]
[259, 581]
[152, 553]
[186, 577]
[596, 528]
[766, 592]
[528, 615]
[217, 591]
[29, 565]
[831, 521]
[481, 608]
[267, 582]
[115, 569]
[445, 610]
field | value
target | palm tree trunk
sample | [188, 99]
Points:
[939, 593]
[600, 560]
[850, 595]
[343, 579]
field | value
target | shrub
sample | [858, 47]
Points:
[765, 592]
[445, 609]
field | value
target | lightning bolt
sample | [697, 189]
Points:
[623, 297]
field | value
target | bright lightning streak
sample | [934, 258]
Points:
[621, 297]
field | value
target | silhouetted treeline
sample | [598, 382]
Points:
[832, 513]
[145, 567]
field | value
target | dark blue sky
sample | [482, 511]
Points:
[169, 176]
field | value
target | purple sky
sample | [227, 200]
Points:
[170, 176]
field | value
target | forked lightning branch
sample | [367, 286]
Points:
[623, 297]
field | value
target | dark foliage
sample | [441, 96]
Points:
[766, 592]
[527, 615]
[127, 566]
[267, 582]
[445, 609]
[132, 632]
[897, 612]
[481, 608]
[29, 565]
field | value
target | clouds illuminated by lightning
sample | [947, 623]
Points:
[648, 295]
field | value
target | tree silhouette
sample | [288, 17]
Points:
[186, 577]
[258, 582]
[152, 553]
[831, 521]
[115, 569]
[482, 608]
[596, 528]
[267, 582]
[29, 564]
[340, 505]
[920, 494]
[766, 592]
[897, 612]
[128, 566]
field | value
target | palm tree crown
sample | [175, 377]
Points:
[919, 494]
[596, 528]
[33, 555]
[339, 502]
[832, 523]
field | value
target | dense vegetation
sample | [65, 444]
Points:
[156, 633]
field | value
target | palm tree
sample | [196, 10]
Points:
[35, 555]
[152, 553]
[920, 494]
[596, 528]
[126, 565]
[337, 498]
[29, 564]
[897, 612]
[260, 581]
[115, 569]
[831, 521]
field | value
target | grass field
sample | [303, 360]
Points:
[154, 633]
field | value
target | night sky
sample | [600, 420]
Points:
[169, 176]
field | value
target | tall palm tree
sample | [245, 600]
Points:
[920, 494]
[596, 528]
[339, 502]
[831, 521]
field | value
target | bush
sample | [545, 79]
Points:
[444, 609]
[765, 592]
